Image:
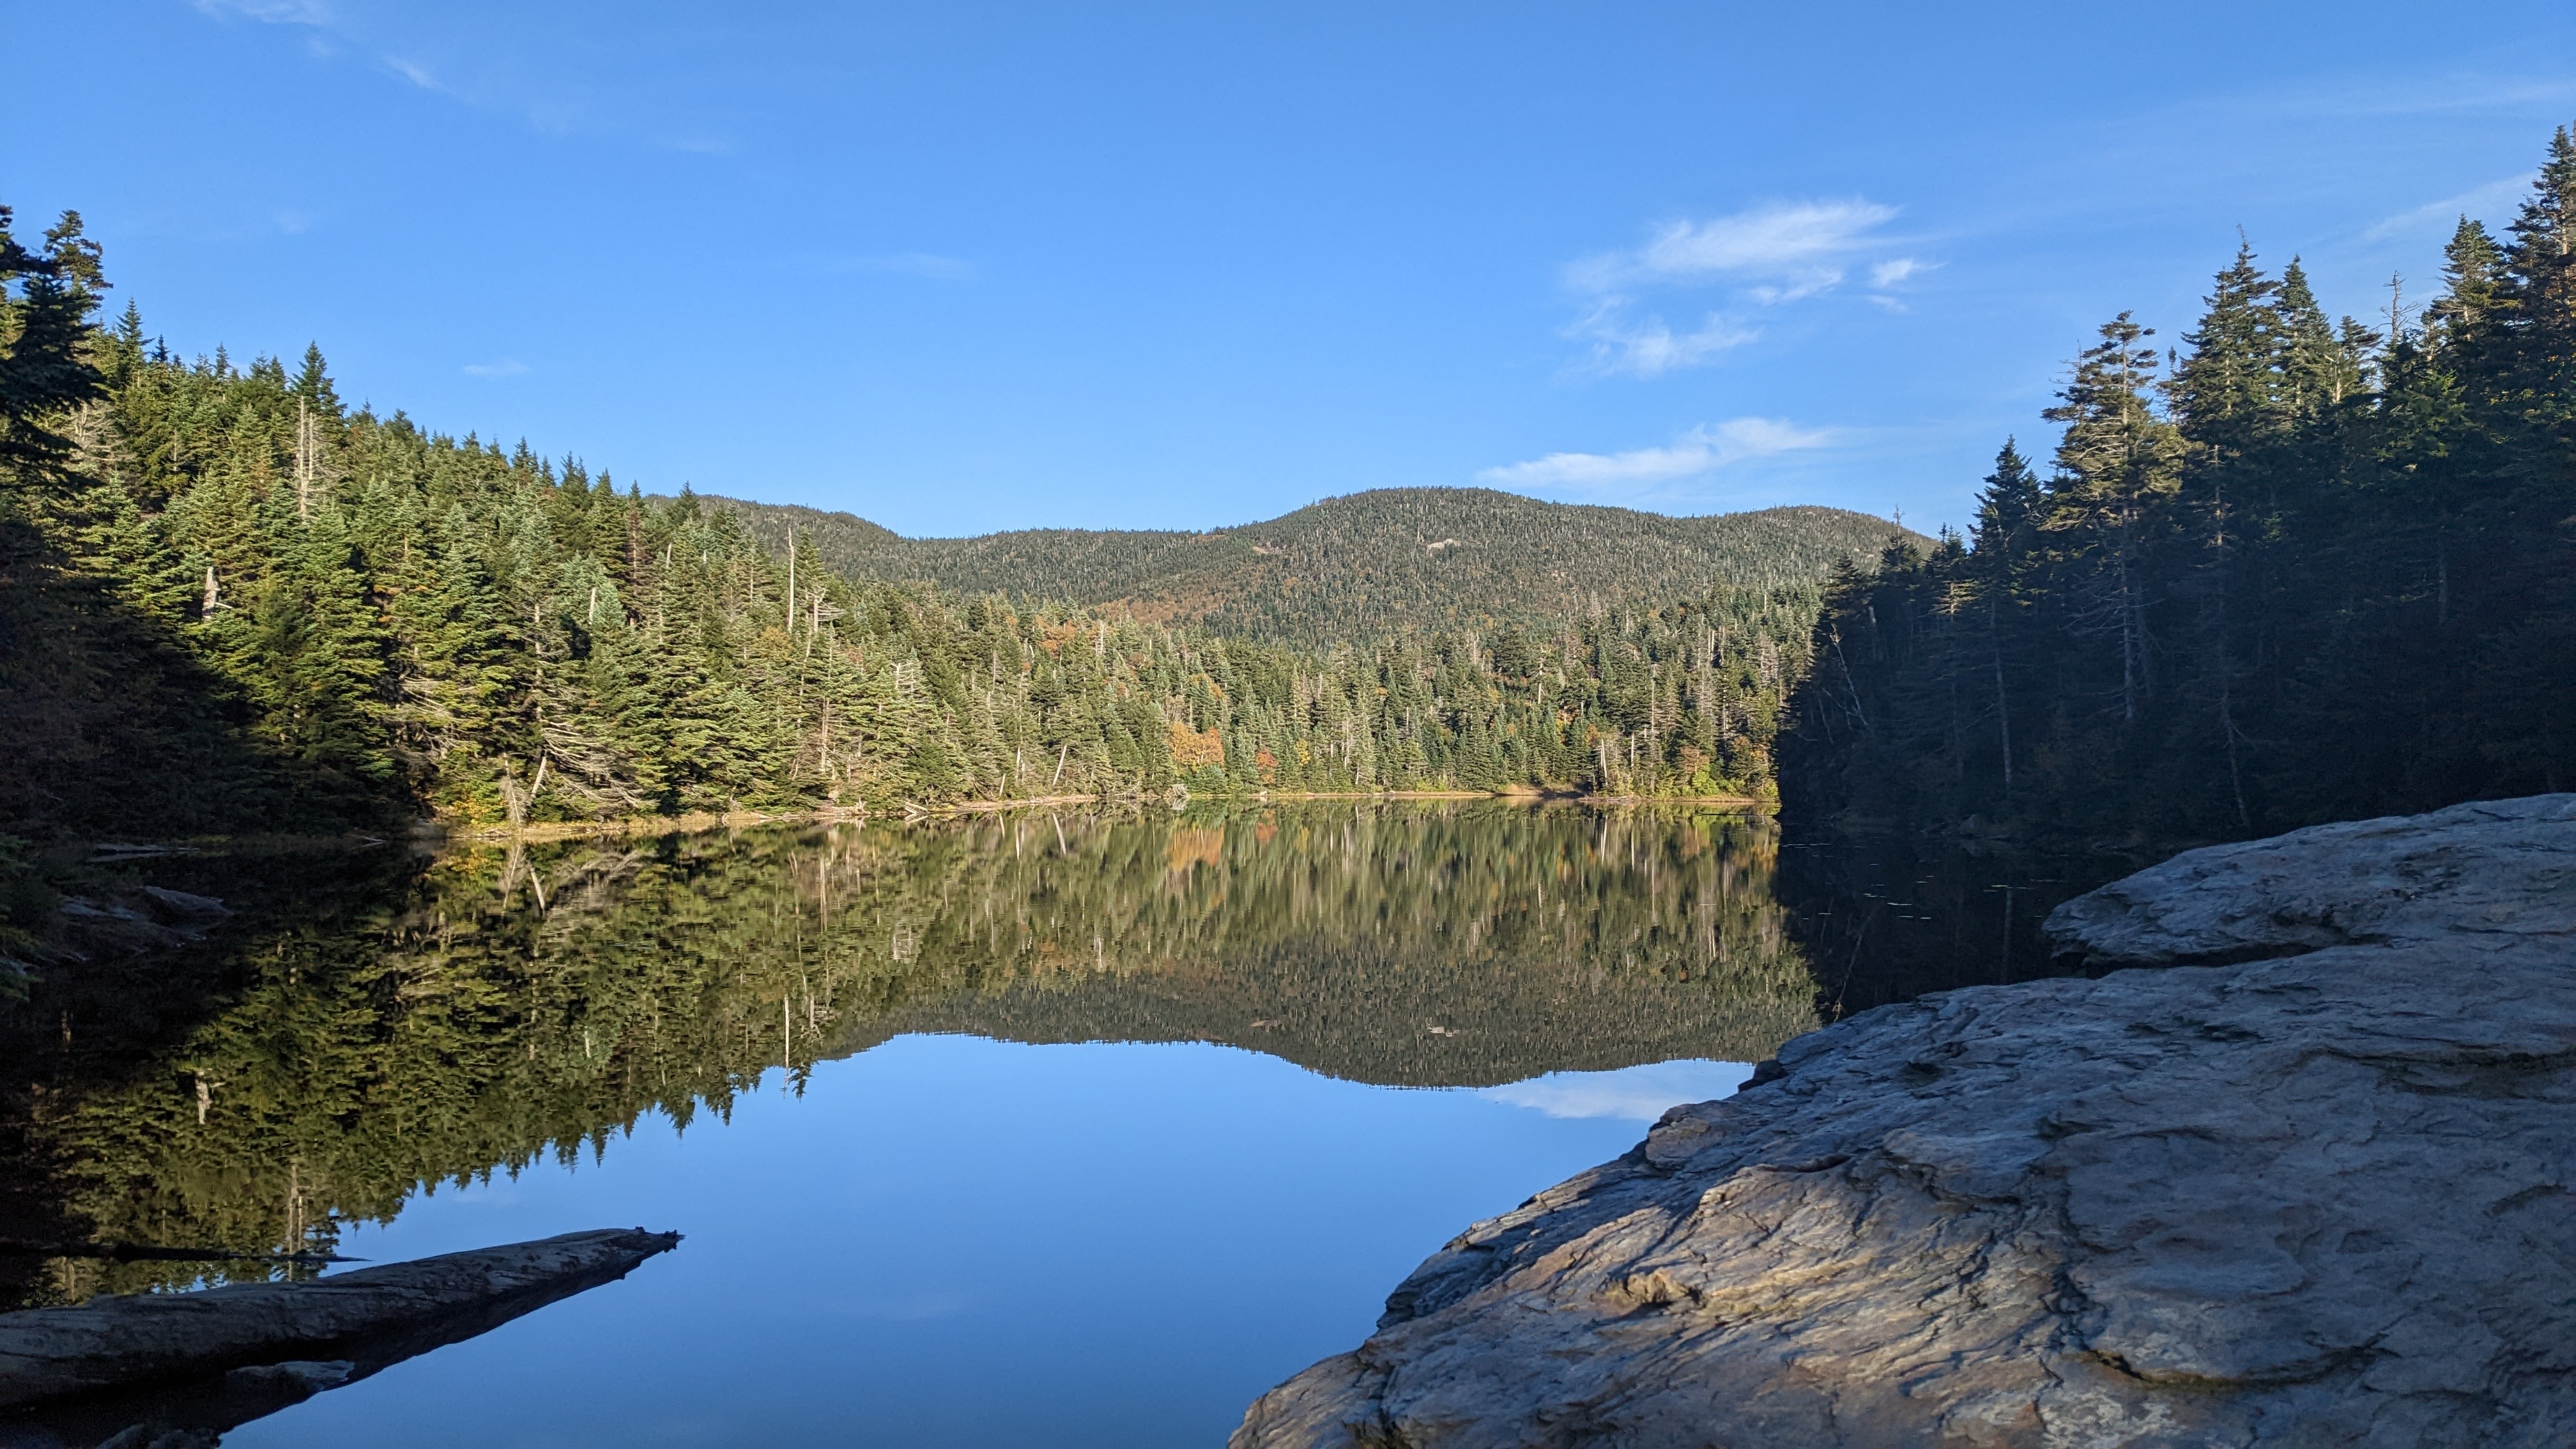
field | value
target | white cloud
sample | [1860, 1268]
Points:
[272, 12]
[909, 264]
[1646, 348]
[414, 72]
[2444, 214]
[1767, 241]
[497, 66]
[1640, 1094]
[1799, 288]
[1770, 256]
[506, 367]
[322, 17]
[1888, 273]
[1701, 450]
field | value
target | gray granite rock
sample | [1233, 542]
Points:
[2325, 1195]
[2472, 878]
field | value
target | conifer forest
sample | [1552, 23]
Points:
[234, 600]
[1299, 727]
[2292, 569]
[2277, 568]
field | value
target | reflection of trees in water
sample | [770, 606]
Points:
[1464, 946]
[502, 1006]
[1889, 918]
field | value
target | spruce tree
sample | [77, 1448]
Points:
[2227, 393]
[2118, 470]
[46, 362]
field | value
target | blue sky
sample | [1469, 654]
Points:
[967, 266]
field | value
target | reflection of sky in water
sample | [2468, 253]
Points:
[1638, 1094]
[955, 1241]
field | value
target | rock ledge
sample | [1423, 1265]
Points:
[2317, 1196]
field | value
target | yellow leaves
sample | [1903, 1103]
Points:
[1192, 748]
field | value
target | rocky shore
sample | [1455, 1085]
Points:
[2311, 1180]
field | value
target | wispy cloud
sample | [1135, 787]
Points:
[1702, 450]
[330, 28]
[272, 12]
[1647, 347]
[907, 264]
[1768, 256]
[417, 74]
[2411, 91]
[1888, 273]
[1766, 241]
[2480, 201]
[1798, 288]
[505, 367]
[484, 66]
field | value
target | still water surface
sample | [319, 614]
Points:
[1023, 1129]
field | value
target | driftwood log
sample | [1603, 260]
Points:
[205, 1361]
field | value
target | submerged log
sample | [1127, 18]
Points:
[328, 1331]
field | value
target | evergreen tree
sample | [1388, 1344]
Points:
[46, 347]
[2119, 467]
[2340, 575]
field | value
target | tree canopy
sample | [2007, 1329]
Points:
[2309, 571]
[232, 602]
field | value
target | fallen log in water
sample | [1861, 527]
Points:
[356, 1322]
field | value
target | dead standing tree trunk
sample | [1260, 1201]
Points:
[516, 800]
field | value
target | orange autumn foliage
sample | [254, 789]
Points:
[1193, 748]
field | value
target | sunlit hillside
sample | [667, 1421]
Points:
[1366, 565]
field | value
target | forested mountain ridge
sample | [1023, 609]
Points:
[1366, 566]
[229, 602]
[2313, 571]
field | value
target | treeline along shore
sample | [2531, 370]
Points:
[231, 601]
[2293, 571]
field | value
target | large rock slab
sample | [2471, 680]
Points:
[2473, 878]
[2317, 1198]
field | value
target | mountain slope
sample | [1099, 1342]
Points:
[1365, 565]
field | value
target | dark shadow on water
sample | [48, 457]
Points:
[1888, 918]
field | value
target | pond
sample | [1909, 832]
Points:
[1062, 1128]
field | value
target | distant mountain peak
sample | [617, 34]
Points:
[1358, 566]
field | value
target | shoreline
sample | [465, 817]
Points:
[433, 832]
[691, 823]
[2163, 1201]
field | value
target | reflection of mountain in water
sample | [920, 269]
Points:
[1462, 947]
[500, 1006]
